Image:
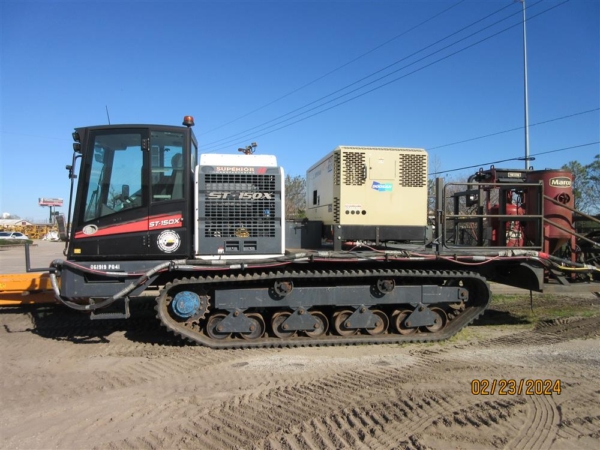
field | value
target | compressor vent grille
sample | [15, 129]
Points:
[337, 168]
[240, 206]
[412, 170]
[354, 168]
[336, 209]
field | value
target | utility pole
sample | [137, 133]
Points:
[525, 84]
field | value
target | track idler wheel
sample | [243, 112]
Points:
[381, 325]
[212, 327]
[440, 321]
[257, 329]
[279, 329]
[321, 326]
[399, 321]
[339, 323]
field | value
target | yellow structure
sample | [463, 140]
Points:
[25, 289]
[32, 231]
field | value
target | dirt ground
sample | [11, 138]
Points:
[69, 383]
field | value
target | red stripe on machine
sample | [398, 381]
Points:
[157, 222]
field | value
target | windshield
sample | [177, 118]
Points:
[120, 175]
[115, 174]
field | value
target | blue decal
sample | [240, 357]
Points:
[382, 187]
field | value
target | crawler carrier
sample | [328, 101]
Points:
[375, 260]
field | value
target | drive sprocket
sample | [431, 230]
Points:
[188, 307]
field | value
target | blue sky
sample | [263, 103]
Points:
[62, 63]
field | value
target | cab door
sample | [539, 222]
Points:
[171, 167]
[113, 203]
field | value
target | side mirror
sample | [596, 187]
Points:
[125, 191]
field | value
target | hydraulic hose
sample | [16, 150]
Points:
[108, 301]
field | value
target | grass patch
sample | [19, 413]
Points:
[544, 307]
[5, 242]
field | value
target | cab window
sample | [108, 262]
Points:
[115, 175]
[167, 165]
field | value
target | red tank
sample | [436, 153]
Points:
[558, 185]
[513, 230]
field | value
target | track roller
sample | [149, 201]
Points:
[321, 326]
[257, 329]
[339, 323]
[399, 322]
[278, 326]
[212, 327]
[440, 320]
[381, 325]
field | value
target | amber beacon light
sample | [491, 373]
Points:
[188, 121]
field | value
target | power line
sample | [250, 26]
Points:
[230, 142]
[514, 129]
[514, 159]
[235, 136]
[391, 81]
[337, 68]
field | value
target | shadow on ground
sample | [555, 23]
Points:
[498, 317]
[60, 323]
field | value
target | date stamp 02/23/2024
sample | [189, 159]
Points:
[524, 386]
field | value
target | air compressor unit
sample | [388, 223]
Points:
[369, 193]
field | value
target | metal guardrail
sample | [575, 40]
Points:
[477, 195]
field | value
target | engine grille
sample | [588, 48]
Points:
[412, 170]
[240, 206]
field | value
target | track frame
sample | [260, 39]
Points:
[478, 299]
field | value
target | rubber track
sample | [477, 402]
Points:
[464, 319]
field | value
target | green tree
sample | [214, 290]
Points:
[586, 185]
[594, 176]
[295, 197]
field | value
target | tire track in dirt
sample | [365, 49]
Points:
[287, 405]
[384, 378]
[577, 422]
[87, 418]
[131, 372]
[92, 415]
[331, 388]
[581, 426]
[389, 424]
[284, 408]
[546, 333]
[295, 415]
[541, 424]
